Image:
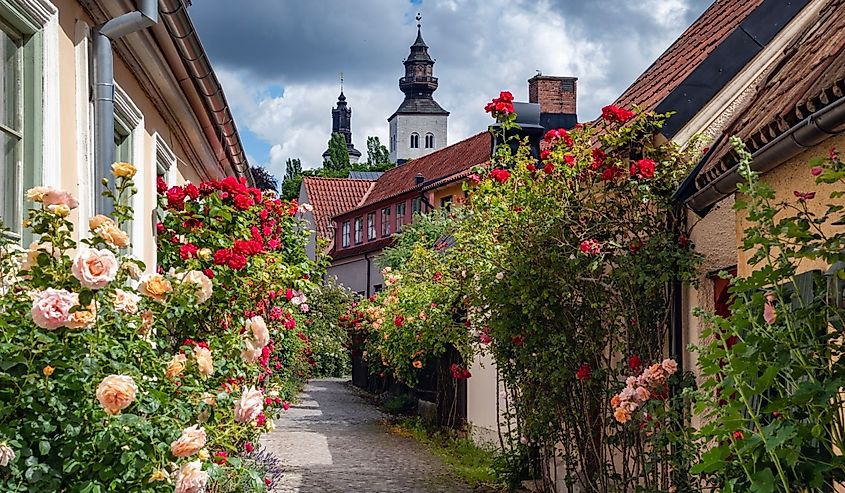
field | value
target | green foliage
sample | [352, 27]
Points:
[473, 463]
[264, 180]
[773, 373]
[424, 231]
[377, 154]
[338, 159]
[328, 339]
[292, 179]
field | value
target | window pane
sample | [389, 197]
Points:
[10, 73]
[10, 179]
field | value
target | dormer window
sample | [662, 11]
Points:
[415, 140]
[429, 140]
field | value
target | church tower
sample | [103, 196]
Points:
[342, 124]
[418, 127]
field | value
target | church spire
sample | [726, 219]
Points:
[342, 124]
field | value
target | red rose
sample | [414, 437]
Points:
[208, 273]
[545, 153]
[615, 114]
[160, 228]
[236, 261]
[243, 201]
[161, 185]
[438, 277]
[598, 158]
[609, 173]
[221, 256]
[176, 197]
[192, 191]
[399, 321]
[583, 372]
[188, 251]
[248, 447]
[518, 340]
[500, 175]
[220, 457]
[506, 96]
[569, 159]
[549, 168]
[646, 167]
[634, 362]
[737, 435]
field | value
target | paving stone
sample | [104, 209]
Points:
[334, 441]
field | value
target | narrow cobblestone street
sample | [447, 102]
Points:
[332, 441]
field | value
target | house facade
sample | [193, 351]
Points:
[163, 119]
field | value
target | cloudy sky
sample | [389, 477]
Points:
[280, 60]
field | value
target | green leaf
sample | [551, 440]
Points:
[763, 481]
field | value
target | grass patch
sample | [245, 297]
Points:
[472, 463]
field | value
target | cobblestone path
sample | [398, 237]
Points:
[333, 442]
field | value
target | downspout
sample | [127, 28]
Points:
[367, 258]
[811, 131]
[103, 74]
[428, 206]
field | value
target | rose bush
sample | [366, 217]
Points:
[116, 380]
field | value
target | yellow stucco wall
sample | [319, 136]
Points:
[791, 176]
[70, 14]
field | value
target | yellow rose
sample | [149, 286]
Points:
[203, 454]
[36, 194]
[204, 253]
[123, 170]
[176, 366]
[60, 210]
[155, 286]
[159, 475]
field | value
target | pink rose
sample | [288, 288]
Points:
[669, 366]
[251, 353]
[191, 478]
[258, 327]
[57, 197]
[94, 268]
[51, 309]
[249, 406]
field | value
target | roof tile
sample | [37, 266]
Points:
[331, 196]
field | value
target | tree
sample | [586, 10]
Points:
[376, 153]
[293, 179]
[264, 180]
[338, 153]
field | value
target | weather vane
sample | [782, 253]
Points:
[419, 20]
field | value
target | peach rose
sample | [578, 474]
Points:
[98, 220]
[622, 415]
[6, 454]
[203, 284]
[191, 441]
[614, 401]
[116, 393]
[30, 256]
[94, 268]
[251, 353]
[36, 194]
[191, 478]
[258, 328]
[51, 308]
[146, 322]
[176, 365]
[55, 197]
[60, 210]
[113, 235]
[249, 406]
[204, 360]
[125, 301]
[123, 170]
[83, 318]
[155, 286]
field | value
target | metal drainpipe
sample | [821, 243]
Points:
[103, 73]
[367, 258]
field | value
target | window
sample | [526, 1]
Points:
[429, 140]
[400, 216]
[371, 226]
[377, 287]
[11, 128]
[415, 140]
[359, 230]
[344, 237]
[416, 205]
[446, 202]
[385, 221]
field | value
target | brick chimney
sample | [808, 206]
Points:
[557, 99]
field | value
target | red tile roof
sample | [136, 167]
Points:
[809, 75]
[687, 53]
[331, 196]
[435, 166]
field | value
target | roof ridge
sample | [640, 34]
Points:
[367, 193]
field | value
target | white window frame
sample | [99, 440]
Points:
[371, 225]
[359, 230]
[400, 216]
[385, 222]
[131, 117]
[344, 237]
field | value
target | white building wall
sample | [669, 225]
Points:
[352, 273]
[308, 216]
[483, 390]
[401, 128]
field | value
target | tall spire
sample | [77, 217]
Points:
[342, 124]
[419, 82]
